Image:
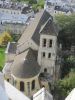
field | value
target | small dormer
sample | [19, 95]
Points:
[48, 46]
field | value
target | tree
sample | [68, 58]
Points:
[15, 37]
[32, 1]
[5, 38]
[67, 32]
[67, 38]
[41, 3]
[63, 87]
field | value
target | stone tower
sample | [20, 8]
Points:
[48, 48]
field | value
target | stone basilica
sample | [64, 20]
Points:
[31, 63]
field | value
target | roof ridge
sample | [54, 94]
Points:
[45, 24]
[51, 28]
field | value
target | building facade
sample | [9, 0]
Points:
[8, 92]
[32, 64]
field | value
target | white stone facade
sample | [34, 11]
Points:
[47, 61]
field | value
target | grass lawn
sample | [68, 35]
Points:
[2, 57]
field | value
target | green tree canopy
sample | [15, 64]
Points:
[63, 87]
[5, 38]
[67, 32]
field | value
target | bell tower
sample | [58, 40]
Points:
[48, 48]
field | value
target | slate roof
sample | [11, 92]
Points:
[25, 65]
[49, 28]
[29, 31]
[36, 36]
[11, 48]
[33, 30]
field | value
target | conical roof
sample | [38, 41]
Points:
[25, 65]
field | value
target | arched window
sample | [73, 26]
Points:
[33, 84]
[45, 70]
[21, 86]
[49, 55]
[43, 54]
[8, 80]
[50, 43]
[43, 86]
[44, 42]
